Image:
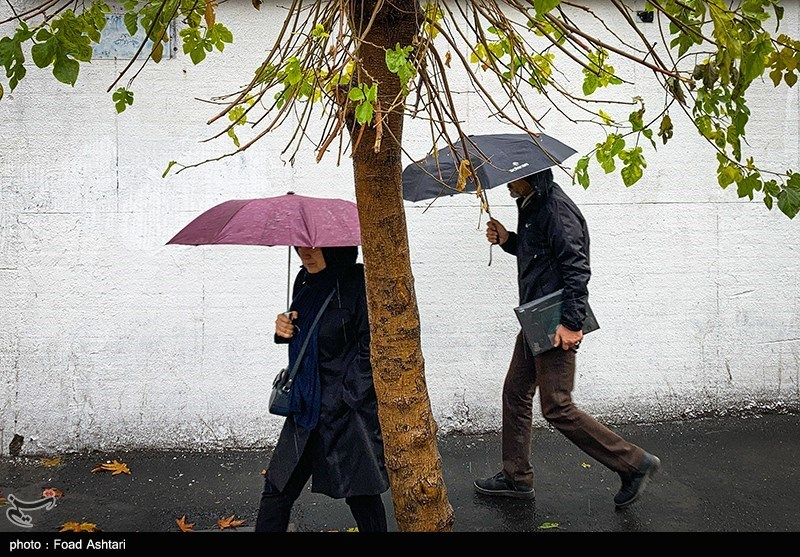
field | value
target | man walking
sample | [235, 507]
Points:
[552, 249]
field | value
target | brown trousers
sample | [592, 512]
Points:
[553, 372]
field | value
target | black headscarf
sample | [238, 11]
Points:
[305, 397]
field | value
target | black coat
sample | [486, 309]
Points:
[348, 455]
[552, 249]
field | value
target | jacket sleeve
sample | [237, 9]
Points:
[565, 229]
[511, 244]
[358, 383]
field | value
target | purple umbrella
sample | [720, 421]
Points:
[286, 220]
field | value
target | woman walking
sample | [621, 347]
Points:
[332, 435]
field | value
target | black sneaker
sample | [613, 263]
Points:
[501, 485]
[634, 483]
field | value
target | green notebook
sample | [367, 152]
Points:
[541, 317]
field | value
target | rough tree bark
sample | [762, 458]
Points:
[409, 429]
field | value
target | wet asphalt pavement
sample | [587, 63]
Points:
[729, 474]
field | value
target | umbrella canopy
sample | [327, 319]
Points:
[496, 158]
[286, 220]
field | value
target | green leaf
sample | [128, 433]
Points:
[169, 167]
[131, 24]
[728, 174]
[234, 137]
[319, 32]
[122, 99]
[631, 174]
[364, 112]
[581, 172]
[778, 15]
[158, 52]
[396, 58]
[223, 33]
[789, 202]
[748, 185]
[589, 84]
[356, 95]
[66, 70]
[548, 525]
[544, 6]
[197, 55]
[44, 53]
[294, 72]
[372, 93]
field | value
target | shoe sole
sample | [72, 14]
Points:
[655, 467]
[506, 493]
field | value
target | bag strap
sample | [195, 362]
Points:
[308, 337]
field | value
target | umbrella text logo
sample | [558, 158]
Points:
[517, 166]
[16, 512]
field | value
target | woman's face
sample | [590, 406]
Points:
[312, 259]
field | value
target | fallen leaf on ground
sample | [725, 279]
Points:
[585, 465]
[79, 527]
[229, 522]
[548, 525]
[181, 522]
[353, 529]
[264, 472]
[52, 492]
[51, 462]
[3, 501]
[115, 468]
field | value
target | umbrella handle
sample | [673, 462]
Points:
[288, 277]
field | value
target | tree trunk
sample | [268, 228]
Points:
[409, 429]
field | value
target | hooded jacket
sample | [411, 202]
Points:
[552, 249]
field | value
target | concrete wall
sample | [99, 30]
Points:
[109, 338]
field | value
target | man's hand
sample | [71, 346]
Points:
[496, 233]
[566, 338]
[283, 324]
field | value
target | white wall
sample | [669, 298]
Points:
[110, 338]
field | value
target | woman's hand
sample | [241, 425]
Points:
[283, 324]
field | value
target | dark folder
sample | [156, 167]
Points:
[541, 317]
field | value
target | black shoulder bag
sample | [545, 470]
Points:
[282, 384]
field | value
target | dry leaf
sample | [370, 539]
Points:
[264, 472]
[79, 527]
[52, 492]
[463, 173]
[115, 468]
[51, 462]
[585, 465]
[181, 522]
[210, 16]
[229, 522]
[447, 58]
[3, 501]
[257, 4]
[548, 525]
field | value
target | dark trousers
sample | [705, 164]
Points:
[553, 373]
[276, 506]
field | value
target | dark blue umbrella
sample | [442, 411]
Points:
[496, 158]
